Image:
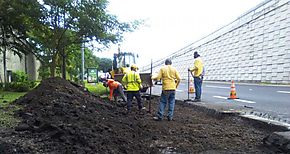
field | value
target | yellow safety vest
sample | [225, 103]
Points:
[132, 81]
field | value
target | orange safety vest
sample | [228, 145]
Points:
[112, 84]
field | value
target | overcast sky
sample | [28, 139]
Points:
[172, 24]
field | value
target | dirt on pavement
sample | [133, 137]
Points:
[61, 117]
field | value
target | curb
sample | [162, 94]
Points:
[279, 140]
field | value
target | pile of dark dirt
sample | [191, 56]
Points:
[61, 117]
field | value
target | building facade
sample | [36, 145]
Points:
[28, 64]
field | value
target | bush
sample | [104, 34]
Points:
[19, 86]
[20, 82]
[19, 76]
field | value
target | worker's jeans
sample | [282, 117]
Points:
[130, 95]
[197, 86]
[167, 96]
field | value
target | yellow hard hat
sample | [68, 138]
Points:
[134, 66]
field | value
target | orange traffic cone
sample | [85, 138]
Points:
[191, 88]
[233, 94]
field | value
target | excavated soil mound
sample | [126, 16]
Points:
[61, 117]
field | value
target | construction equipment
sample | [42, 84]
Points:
[122, 62]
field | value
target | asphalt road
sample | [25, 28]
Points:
[268, 99]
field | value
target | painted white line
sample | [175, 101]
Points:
[250, 89]
[178, 90]
[220, 97]
[245, 101]
[217, 87]
[238, 100]
[285, 92]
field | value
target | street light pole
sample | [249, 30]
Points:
[83, 60]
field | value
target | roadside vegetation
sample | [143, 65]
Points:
[96, 88]
[7, 110]
[57, 32]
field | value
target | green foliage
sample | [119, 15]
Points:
[105, 64]
[16, 19]
[44, 72]
[52, 28]
[96, 88]
[71, 23]
[20, 86]
[74, 62]
[19, 76]
[20, 82]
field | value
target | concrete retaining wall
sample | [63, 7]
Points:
[253, 48]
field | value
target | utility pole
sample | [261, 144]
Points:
[83, 60]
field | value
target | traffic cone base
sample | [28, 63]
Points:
[191, 88]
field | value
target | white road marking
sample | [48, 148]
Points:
[238, 100]
[220, 97]
[217, 87]
[250, 89]
[285, 92]
[178, 90]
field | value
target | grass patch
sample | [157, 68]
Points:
[97, 88]
[7, 118]
[7, 110]
[6, 97]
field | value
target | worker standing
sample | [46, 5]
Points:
[132, 82]
[115, 88]
[170, 80]
[198, 70]
[126, 69]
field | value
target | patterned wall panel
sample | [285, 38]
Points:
[253, 48]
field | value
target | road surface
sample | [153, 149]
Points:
[270, 99]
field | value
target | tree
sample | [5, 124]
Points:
[105, 64]
[51, 28]
[73, 22]
[16, 18]
[74, 62]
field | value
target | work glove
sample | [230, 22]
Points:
[189, 69]
[141, 87]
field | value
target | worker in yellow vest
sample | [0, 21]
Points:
[170, 80]
[132, 82]
[198, 73]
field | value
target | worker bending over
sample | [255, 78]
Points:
[115, 89]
